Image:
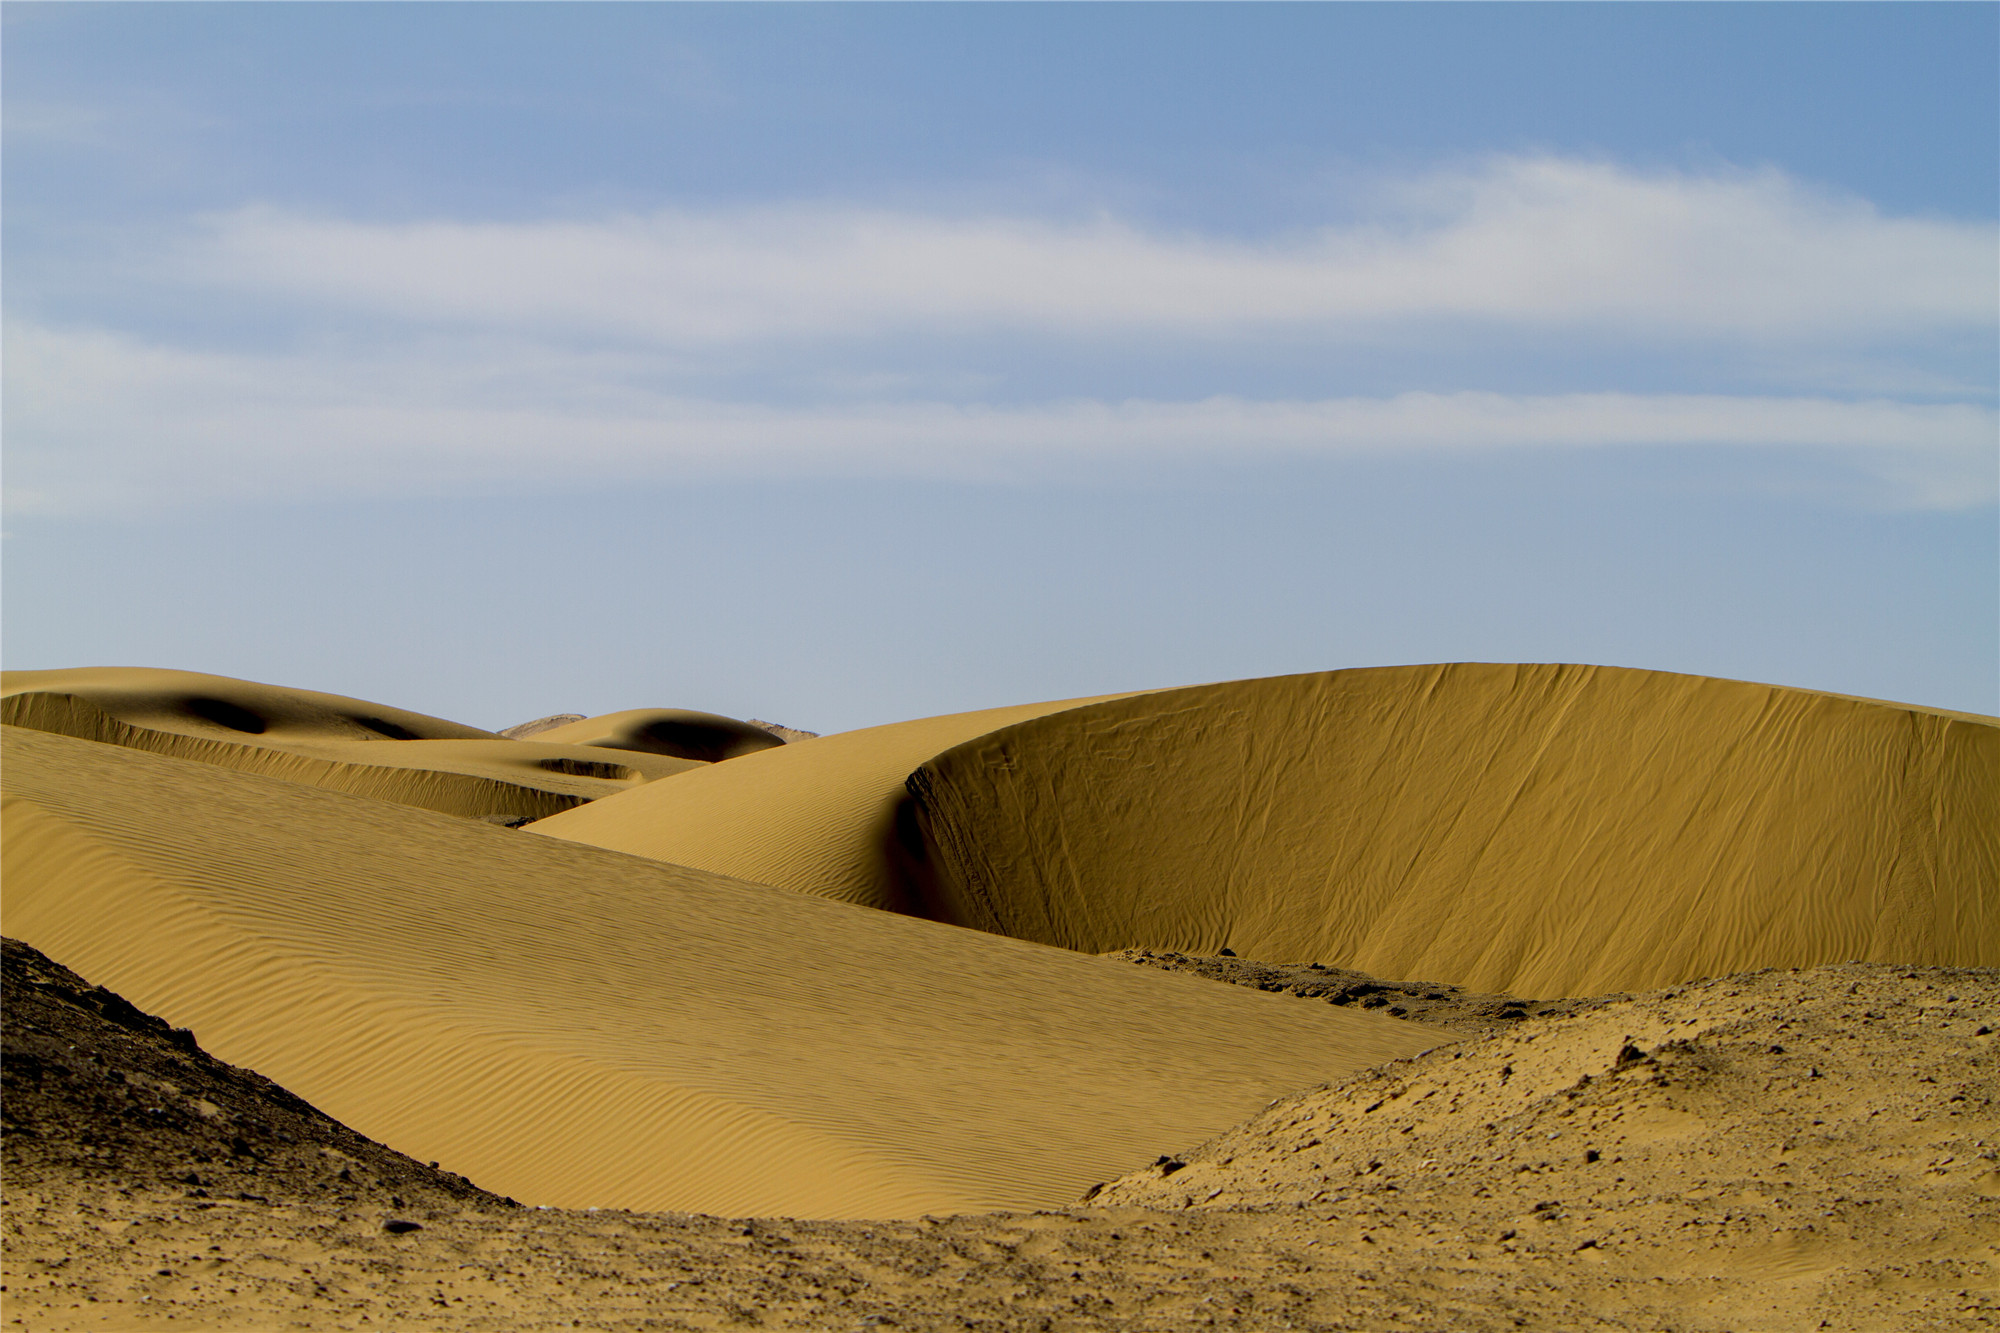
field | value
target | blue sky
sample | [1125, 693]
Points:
[837, 364]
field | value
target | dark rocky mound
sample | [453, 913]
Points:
[92, 1088]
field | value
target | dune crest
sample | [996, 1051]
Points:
[1542, 830]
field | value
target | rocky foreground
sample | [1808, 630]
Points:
[1778, 1150]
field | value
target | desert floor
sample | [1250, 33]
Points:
[1777, 1150]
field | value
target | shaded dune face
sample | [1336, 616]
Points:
[190, 703]
[573, 1026]
[323, 740]
[1541, 830]
[678, 733]
[831, 817]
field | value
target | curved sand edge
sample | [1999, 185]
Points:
[1547, 830]
[827, 816]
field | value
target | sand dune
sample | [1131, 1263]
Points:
[592, 1026]
[827, 816]
[679, 733]
[323, 740]
[1542, 830]
[190, 703]
[574, 1026]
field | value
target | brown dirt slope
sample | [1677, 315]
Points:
[323, 741]
[572, 1026]
[92, 1088]
[1800, 1139]
[1538, 830]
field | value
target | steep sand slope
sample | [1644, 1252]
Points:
[574, 1026]
[826, 816]
[1541, 830]
[323, 740]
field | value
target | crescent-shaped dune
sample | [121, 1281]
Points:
[827, 816]
[191, 703]
[1535, 829]
[678, 732]
[324, 740]
[574, 1026]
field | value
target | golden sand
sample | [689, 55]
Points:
[679, 733]
[828, 816]
[675, 991]
[323, 740]
[575, 1026]
[1540, 830]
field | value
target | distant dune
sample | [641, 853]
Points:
[189, 703]
[573, 1026]
[323, 740]
[1540, 830]
[679, 733]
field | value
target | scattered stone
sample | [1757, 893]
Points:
[520, 731]
[789, 735]
[1467, 1013]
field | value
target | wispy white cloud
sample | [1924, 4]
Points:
[1537, 242]
[538, 355]
[100, 421]
[64, 125]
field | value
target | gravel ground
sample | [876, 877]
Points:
[1782, 1150]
